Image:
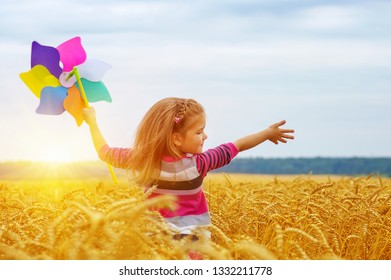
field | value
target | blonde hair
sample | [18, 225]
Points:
[154, 136]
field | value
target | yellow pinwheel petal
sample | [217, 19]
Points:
[37, 78]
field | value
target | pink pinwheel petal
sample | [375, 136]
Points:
[74, 104]
[52, 99]
[46, 56]
[72, 53]
[93, 69]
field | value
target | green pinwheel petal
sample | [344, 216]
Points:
[95, 91]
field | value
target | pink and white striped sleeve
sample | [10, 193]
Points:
[215, 158]
[117, 157]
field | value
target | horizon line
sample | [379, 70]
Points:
[236, 158]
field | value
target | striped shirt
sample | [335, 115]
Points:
[182, 178]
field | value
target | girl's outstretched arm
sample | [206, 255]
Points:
[273, 133]
[97, 137]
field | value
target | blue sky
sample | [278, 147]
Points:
[324, 66]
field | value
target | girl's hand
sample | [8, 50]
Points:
[277, 134]
[273, 133]
[89, 115]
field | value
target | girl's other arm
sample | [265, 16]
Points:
[273, 133]
[97, 137]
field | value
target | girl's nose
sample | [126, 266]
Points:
[205, 136]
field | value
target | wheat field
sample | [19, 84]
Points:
[253, 217]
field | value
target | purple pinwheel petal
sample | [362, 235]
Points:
[52, 99]
[72, 53]
[46, 56]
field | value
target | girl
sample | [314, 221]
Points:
[167, 155]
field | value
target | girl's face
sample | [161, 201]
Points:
[192, 140]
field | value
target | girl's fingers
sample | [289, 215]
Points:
[278, 124]
[287, 136]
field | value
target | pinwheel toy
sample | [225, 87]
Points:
[65, 80]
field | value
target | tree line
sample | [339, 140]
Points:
[317, 165]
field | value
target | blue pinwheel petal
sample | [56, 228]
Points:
[95, 91]
[52, 100]
[46, 56]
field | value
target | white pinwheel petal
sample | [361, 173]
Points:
[93, 69]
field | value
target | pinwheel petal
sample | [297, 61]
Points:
[95, 91]
[93, 69]
[74, 104]
[72, 53]
[52, 99]
[46, 56]
[37, 78]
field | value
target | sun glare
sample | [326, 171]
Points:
[54, 155]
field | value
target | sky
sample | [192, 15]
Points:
[323, 66]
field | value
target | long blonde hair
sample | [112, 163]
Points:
[154, 136]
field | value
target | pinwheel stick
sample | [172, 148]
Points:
[84, 96]
[83, 93]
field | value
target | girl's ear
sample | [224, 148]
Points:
[177, 139]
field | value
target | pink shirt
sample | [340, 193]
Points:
[182, 178]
